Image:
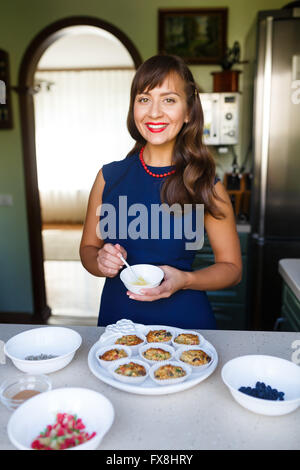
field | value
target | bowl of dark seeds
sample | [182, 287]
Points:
[43, 350]
[266, 385]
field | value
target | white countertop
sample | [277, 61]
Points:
[290, 272]
[209, 417]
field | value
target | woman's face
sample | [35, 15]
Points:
[159, 114]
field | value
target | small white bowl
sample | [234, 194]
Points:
[159, 327]
[188, 348]
[22, 383]
[50, 340]
[152, 274]
[102, 350]
[278, 373]
[171, 381]
[163, 346]
[177, 345]
[127, 379]
[32, 417]
[134, 349]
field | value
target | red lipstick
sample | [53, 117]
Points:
[156, 127]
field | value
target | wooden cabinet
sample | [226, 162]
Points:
[229, 305]
[290, 310]
[289, 319]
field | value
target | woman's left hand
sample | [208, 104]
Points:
[174, 280]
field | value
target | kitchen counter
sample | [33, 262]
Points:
[289, 269]
[203, 417]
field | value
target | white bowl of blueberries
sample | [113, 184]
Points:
[266, 385]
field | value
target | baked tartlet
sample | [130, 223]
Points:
[195, 357]
[169, 371]
[187, 338]
[153, 353]
[156, 354]
[113, 354]
[131, 371]
[159, 336]
[129, 340]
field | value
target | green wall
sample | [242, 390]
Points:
[20, 22]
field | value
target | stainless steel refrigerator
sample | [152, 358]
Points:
[273, 50]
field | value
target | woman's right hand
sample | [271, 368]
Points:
[108, 260]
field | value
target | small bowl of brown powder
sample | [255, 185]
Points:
[16, 390]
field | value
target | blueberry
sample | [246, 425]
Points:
[260, 385]
[261, 390]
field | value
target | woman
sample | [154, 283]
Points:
[168, 165]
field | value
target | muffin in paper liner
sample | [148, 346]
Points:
[154, 328]
[187, 332]
[165, 347]
[128, 379]
[134, 348]
[171, 381]
[199, 368]
[106, 364]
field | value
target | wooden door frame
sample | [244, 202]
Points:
[27, 70]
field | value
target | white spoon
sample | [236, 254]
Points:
[128, 266]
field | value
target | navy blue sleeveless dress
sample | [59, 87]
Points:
[128, 182]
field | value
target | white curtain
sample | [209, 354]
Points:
[80, 125]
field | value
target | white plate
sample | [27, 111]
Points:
[148, 387]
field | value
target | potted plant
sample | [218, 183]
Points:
[227, 79]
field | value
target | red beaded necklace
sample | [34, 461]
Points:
[150, 172]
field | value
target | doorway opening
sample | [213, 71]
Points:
[80, 74]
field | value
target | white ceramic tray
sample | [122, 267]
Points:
[148, 387]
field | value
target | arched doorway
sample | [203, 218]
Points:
[26, 89]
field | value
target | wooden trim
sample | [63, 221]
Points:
[62, 226]
[86, 69]
[26, 318]
[27, 70]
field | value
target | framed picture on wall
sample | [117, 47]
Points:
[5, 98]
[199, 36]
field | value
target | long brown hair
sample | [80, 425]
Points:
[193, 180]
